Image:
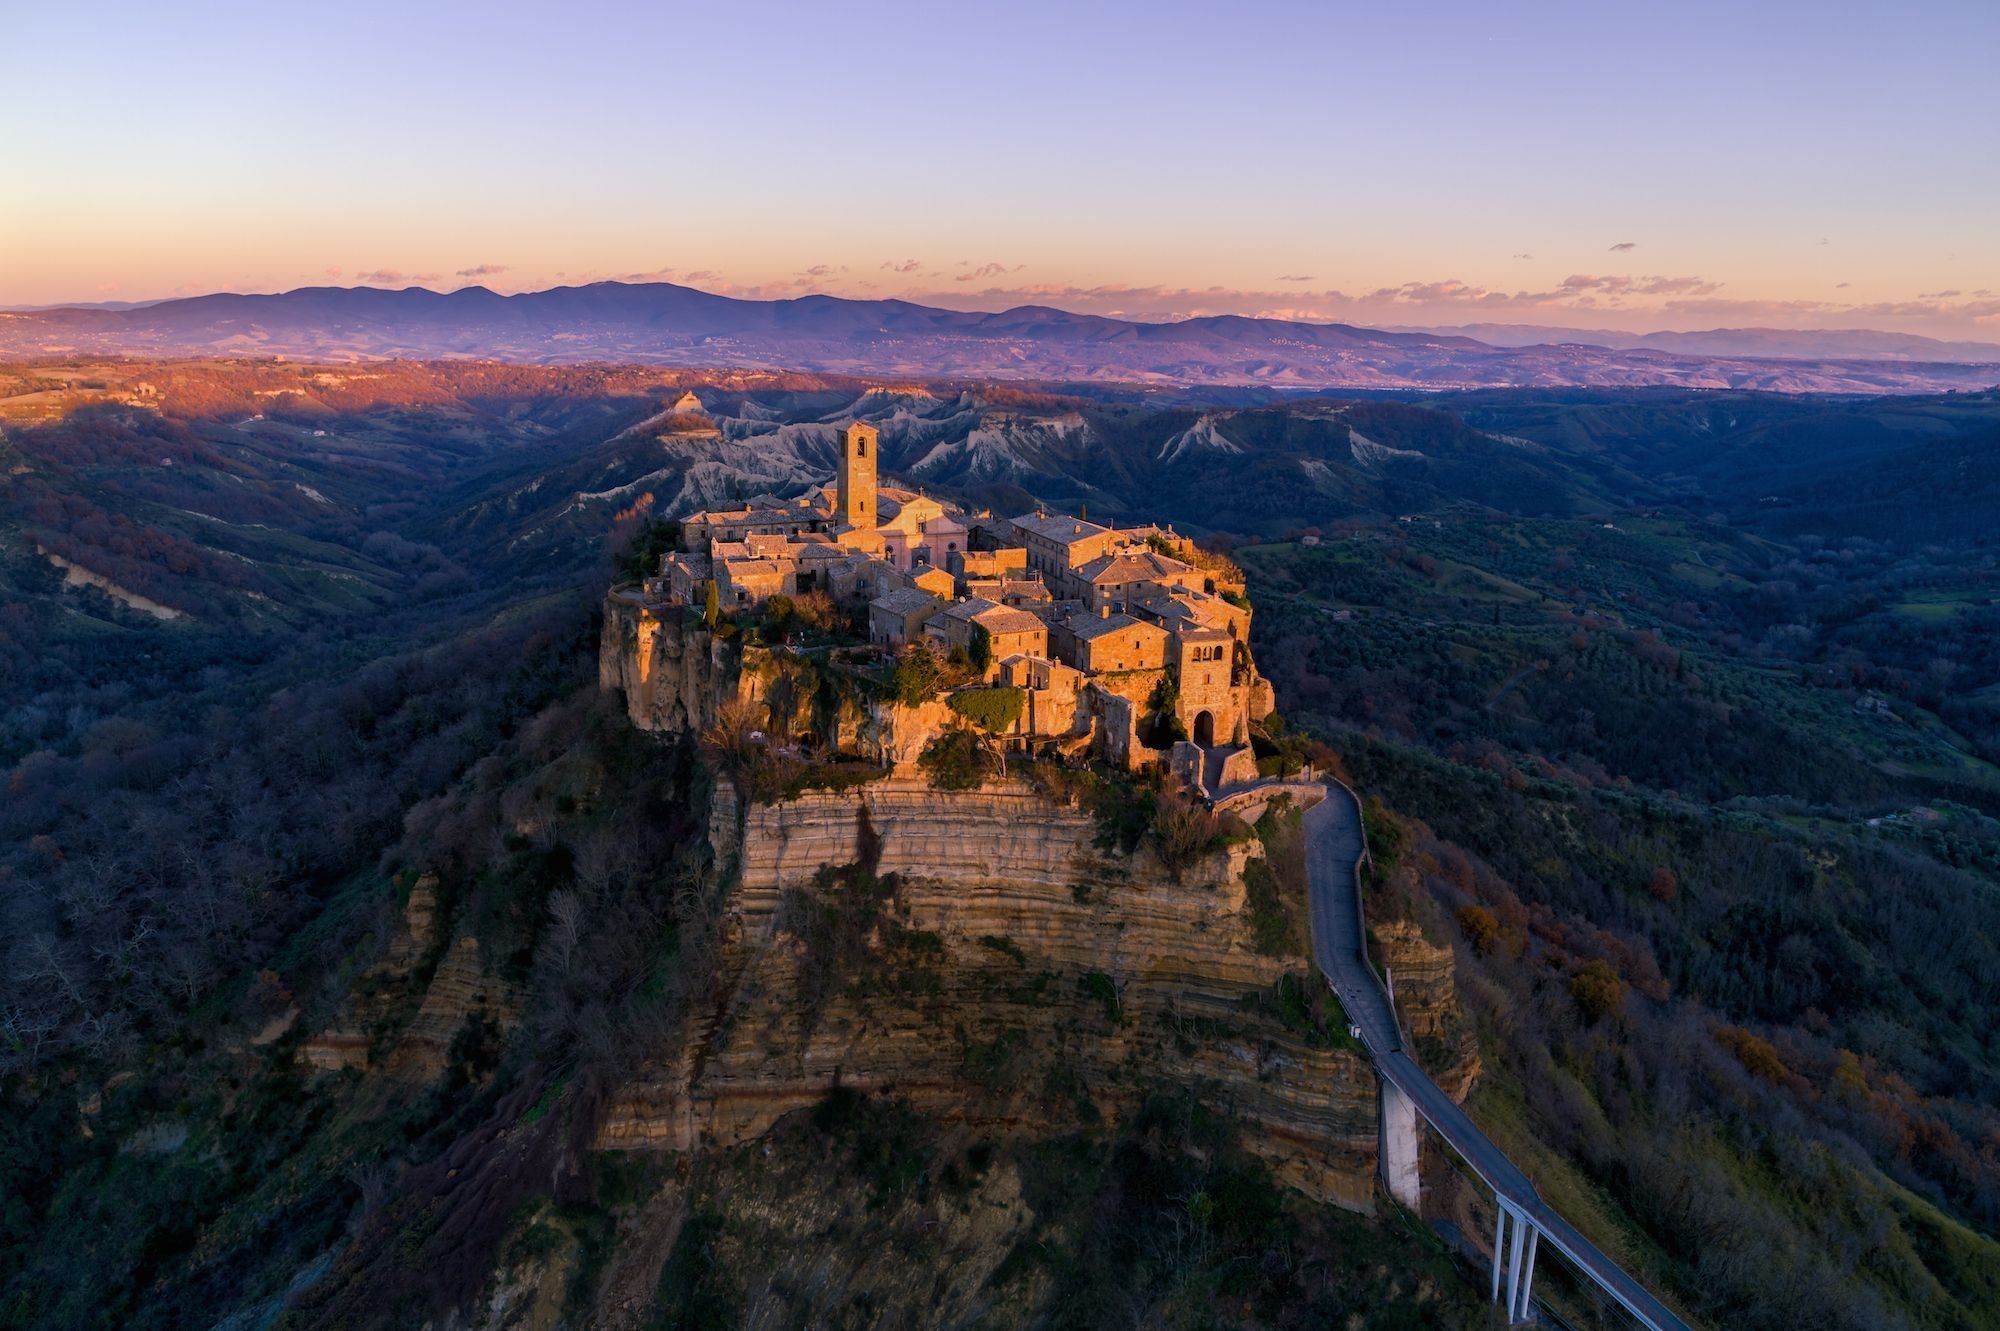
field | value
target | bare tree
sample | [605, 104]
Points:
[566, 929]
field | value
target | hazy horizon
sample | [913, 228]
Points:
[1467, 329]
[1569, 167]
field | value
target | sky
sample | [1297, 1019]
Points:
[1628, 166]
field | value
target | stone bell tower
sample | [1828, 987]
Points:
[854, 493]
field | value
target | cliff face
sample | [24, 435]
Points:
[1424, 977]
[985, 961]
[1018, 978]
[408, 1032]
[674, 673]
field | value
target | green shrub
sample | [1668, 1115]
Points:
[641, 557]
[994, 710]
[776, 778]
[955, 760]
[1124, 811]
[914, 681]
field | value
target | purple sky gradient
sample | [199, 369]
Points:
[1599, 166]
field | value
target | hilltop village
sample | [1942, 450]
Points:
[1043, 632]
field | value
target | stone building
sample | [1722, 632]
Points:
[989, 565]
[1111, 644]
[1098, 626]
[898, 617]
[854, 488]
[1051, 707]
[1009, 632]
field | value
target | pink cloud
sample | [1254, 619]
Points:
[483, 270]
[1624, 245]
[1640, 302]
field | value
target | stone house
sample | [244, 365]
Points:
[1009, 632]
[1120, 580]
[1176, 609]
[1058, 545]
[1053, 693]
[1108, 643]
[988, 565]
[897, 617]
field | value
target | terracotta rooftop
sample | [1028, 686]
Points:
[994, 618]
[1090, 627]
[1139, 565]
[906, 601]
[1059, 527]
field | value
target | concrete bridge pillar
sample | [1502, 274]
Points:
[1526, 1300]
[1514, 1267]
[1398, 1150]
[1499, 1251]
[1514, 1253]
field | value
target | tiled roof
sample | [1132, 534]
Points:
[906, 601]
[1131, 566]
[994, 618]
[1059, 527]
[1090, 628]
[1006, 619]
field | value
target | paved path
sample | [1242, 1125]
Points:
[1333, 855]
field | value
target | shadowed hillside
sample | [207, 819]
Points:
[339, 915]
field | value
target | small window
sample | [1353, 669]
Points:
[861, 448]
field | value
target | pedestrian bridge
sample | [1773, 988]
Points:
[1335, 849]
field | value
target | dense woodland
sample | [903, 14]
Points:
[1679, 716]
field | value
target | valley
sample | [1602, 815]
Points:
[366, 965]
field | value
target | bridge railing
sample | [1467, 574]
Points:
[1361, 916]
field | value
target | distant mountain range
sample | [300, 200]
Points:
[1782, 343]
[661, 323]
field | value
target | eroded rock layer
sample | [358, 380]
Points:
[1018, 977]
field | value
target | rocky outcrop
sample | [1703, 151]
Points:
[461, 989]
[377, 1025]
[673, 672]
[1423, 976]
[1022, 977]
